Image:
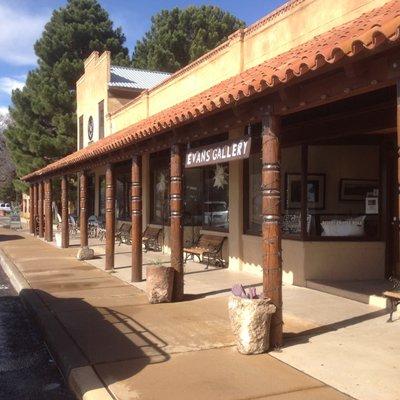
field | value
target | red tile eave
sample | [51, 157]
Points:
[368, 32]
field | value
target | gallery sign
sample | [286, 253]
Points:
[217, 153]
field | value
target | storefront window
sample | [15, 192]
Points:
[91, 194]
[102, 196]
[343, 191]
[254, 194]
[193, 184]
[160, 188]
[122, 197]
[216, 197]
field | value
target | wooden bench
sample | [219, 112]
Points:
[208, 247]
[150, 238]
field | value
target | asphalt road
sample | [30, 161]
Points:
[27, 371]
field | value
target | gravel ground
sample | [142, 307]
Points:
[27, 370]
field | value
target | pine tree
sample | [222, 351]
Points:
[43, 112]
[180, 36]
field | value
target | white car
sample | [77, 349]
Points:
[6, 207]
[215, 214]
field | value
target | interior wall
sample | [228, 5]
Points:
[343, 162]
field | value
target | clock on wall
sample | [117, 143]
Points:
[90, 129]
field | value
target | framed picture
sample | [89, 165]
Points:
[315, 191]
[356, 189]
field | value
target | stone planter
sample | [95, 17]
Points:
[159, 283]
[58, 239]
[250, 321]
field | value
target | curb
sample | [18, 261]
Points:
[81, 377]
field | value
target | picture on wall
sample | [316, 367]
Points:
[356, 189]
[315, 191]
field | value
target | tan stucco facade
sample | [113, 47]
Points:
[291, 25]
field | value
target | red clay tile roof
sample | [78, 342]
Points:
[368, 31]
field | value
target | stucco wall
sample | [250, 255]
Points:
[278, 32]
[90, 90]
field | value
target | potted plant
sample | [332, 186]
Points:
[250, 316]
[159, 283]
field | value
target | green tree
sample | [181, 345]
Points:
[43, 112]
[180, 36]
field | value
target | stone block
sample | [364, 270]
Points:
[159, 283]
[250, 321]
[85, 253]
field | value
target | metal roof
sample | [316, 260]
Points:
[133, 78]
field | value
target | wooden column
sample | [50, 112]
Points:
[35, 206]
[136, 202]
[48, 199]
[271, 230]
[110, 217]
[31, 209]
[176, 235]
[396, 236]
[41, 209]
[83, 217]
[64, 213]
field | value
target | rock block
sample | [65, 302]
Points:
[85, 253]
[250, 321]
[159, 283]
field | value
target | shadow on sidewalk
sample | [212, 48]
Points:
[102, 335]
[292, 339]
[6, 238]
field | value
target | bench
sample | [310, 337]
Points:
[208, 247]
[150, 238]
[123, 235]
[393, 296]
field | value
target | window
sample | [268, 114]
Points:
[160, 188]
[206, 191]
[216, 197]
[102, 195]
[122, 197]
[193, 197]
[254, 194]
[345, 197]
[101, 119]
[91, 195]
[80, 132]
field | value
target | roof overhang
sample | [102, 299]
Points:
[366, 34]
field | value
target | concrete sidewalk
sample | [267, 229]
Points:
[110, 343]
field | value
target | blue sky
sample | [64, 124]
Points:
[22, 21]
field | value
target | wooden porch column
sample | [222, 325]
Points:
[83, 217]
[64, 213]
[176, 235]
[136, 202]
[271, 231]
[110, 217]
[31, 209]
[397, 225]
[48, 199]
[41, 209]
[35, 206]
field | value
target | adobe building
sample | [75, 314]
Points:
[283, 140]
